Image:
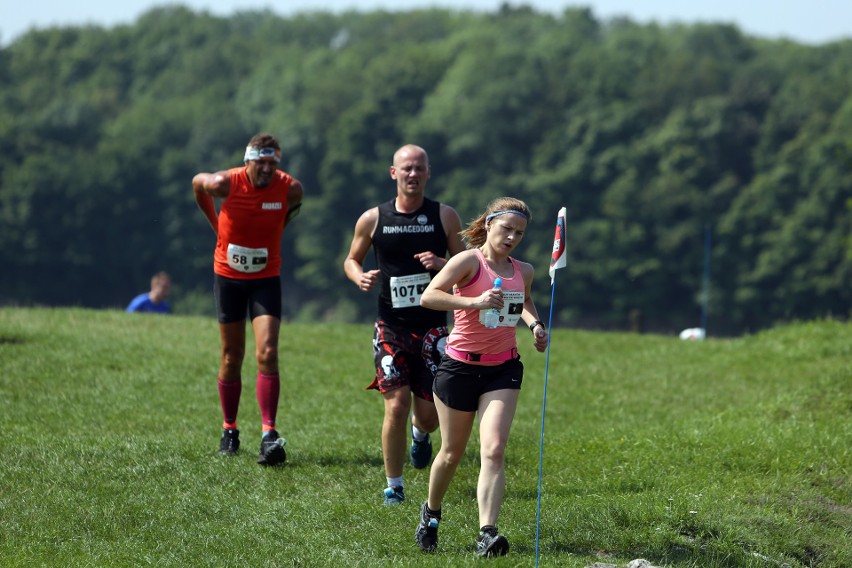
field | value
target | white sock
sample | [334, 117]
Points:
[418, 434]
[394, 481]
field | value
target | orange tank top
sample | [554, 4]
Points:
[251, 221]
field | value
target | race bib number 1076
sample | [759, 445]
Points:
[406, 290]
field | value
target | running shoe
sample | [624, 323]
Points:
[421, 452]
[426, 534]
[394, 495]
[230, 442]
[272, 449]
[491, 543]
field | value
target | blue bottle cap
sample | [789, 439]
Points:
[498, 282]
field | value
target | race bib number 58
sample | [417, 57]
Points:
[406, 290]
[247, 260]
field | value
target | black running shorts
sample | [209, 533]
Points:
[237, 298]
[459, 385]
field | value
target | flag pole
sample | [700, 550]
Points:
[541, 439]
[557, 261]
[705, 292]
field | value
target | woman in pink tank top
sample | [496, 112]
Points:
[481, 371]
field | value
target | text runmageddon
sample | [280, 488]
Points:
[408, 229]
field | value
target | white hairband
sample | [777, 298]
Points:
[255, 153]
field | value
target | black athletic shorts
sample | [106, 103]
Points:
[406, 357]
[459, 385]
[237, 298]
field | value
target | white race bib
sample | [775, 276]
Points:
[247, 260]
[405, 291]
[513, 307]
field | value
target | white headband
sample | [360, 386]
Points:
[255, 153]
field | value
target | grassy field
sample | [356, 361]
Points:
[728, 452]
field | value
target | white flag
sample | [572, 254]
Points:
[558, 259]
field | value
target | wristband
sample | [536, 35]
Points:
[293, 211]
[535, 324]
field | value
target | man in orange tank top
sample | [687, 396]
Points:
[257, 201]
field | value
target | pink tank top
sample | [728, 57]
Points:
[468, 333]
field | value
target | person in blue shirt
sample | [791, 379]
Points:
[155, 300]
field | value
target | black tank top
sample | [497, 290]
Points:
[398, 237]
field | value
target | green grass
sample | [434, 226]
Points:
[728, 452]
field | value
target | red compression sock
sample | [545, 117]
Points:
[229, 397]
[268, 389]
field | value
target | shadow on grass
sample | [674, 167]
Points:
[301, 458]
[555, 549]
[364, 459]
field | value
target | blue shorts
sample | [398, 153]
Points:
[459, 385]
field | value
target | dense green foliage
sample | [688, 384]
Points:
[716, 454]
[651, 136]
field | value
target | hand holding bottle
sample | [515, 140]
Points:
[492, 316]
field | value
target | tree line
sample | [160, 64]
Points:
[653, 137]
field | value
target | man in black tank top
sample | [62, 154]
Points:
[411, 236]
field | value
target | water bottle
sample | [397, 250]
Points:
[492, 316]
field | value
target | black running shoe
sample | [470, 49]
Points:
[272, 449]
[421, 452]
[230, 441]
[491, 543]
[426, 534]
